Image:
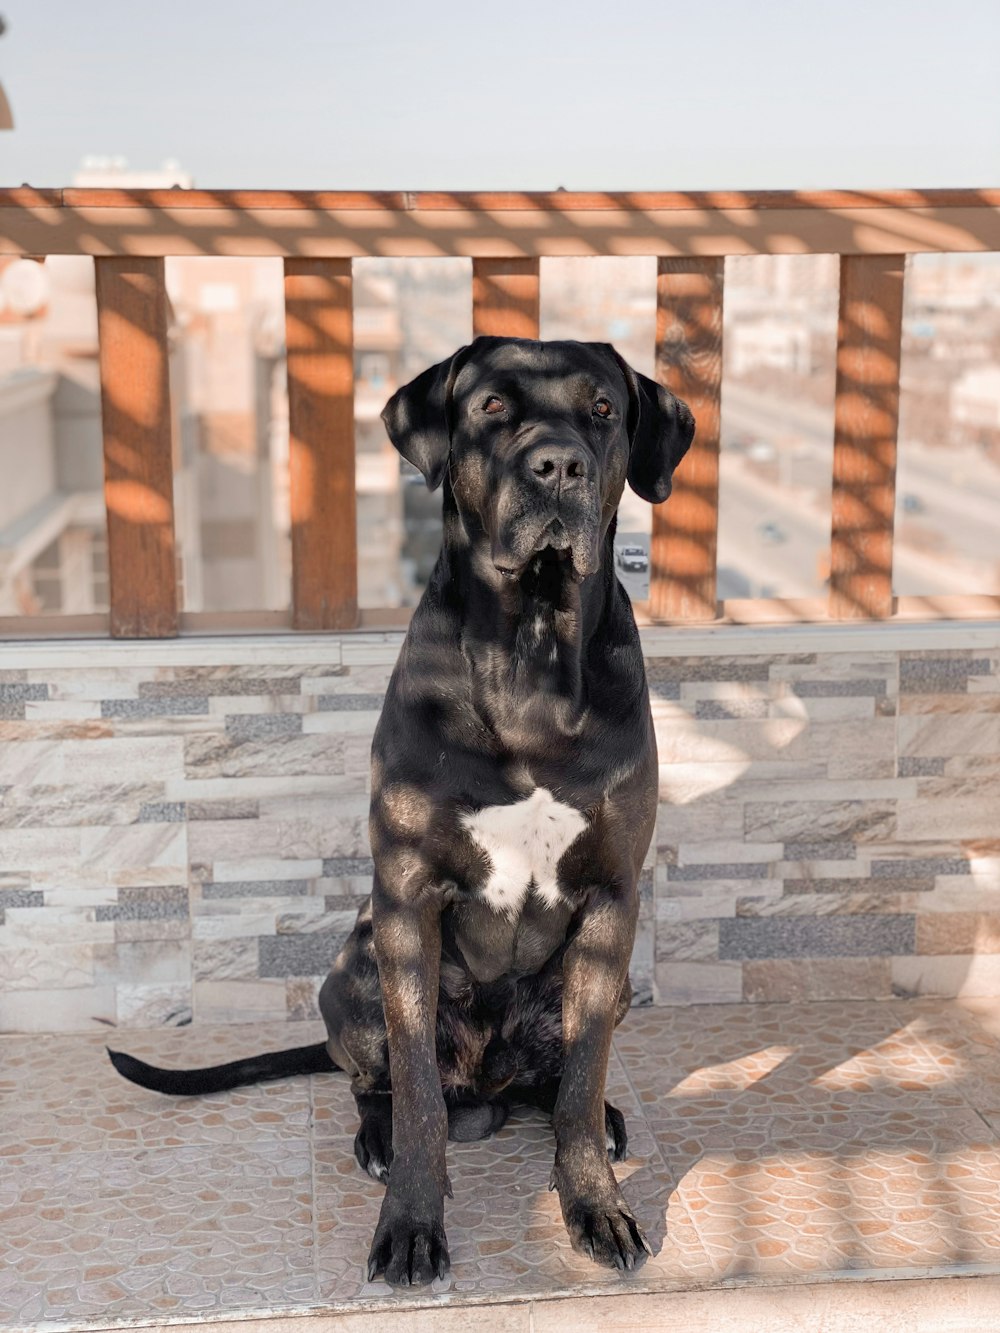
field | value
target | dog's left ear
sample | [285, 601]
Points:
[417, 418]
[660, 431]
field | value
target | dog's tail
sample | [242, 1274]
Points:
[219, 1078]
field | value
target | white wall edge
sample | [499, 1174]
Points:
[375, 648]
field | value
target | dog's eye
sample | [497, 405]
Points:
[493, 404]
[602, 408]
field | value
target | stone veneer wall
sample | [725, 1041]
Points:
[183, 826]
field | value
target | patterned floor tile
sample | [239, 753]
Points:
[766, 1142]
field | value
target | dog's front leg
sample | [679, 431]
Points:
[409, 1245]
[595, 966]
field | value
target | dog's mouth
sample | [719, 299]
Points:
[554, 553]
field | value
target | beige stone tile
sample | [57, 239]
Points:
[237, 1001]
[697, 983]
[958, 933]
[938, 735]
[697, 901]
[120, 850]
[723, 851]
[817, 979]
[58, 1010]
[791, 820]
[82, 761]
[947, 975]
[39, 848]
[687, 940]
[974, 816]
[267, 867]
[823, 709]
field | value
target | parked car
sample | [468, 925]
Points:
[632, 558]
[771, 533]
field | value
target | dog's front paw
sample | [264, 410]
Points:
[410, 1248]
[600, 1223]
[607, 1232]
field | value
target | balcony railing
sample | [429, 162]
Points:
[129, 232]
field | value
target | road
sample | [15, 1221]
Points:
[951, 546]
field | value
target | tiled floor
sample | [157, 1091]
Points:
[768, 1143]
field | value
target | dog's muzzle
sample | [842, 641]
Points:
[548, 502]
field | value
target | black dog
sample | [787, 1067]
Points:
[514, 792]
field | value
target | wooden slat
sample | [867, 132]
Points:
[689, 363]
[505, 297]
[864, 450]
[138, 466]
[562, 201]
[489, 226]
[320, 341]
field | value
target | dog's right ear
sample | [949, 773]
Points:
[418, 418]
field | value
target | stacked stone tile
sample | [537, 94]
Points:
[183, 827]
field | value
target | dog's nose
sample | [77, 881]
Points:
[558, 465]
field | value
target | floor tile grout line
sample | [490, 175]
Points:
[675, 1191]
[994, 1134]
[312, 1189]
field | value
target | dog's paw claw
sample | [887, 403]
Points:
[608, 1234]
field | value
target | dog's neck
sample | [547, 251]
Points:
[526, 639]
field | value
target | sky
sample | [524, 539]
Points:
[508, 94]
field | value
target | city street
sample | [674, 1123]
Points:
[774, 535]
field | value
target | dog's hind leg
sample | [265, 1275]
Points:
[373, 1141]
[543, 1097]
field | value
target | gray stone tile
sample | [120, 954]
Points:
[299, 955]
[722, 870]
[708, 668]
[18, 692]
[912, 766]
[258, 888]
[158, 902]
[940, 675]
[135, 710]
[355, 703]
[921, 866]
[867, 936]
[21, 898]
[852, 689]
[262, 726]
[664, 689]
[162, 812]
[344, 867]
[721, 710]
[215, 686]
[839, 850]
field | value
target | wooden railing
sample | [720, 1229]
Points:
[505, 235]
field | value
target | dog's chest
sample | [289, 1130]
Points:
[523, 843]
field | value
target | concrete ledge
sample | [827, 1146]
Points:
[370, 648]
[967, 1304]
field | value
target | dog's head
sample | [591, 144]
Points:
[538, 440]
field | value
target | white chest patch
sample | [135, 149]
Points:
[524, 842]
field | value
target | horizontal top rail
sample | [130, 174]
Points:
[496, 225]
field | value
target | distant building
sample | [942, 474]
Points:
[769, 343]
[975, 406]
